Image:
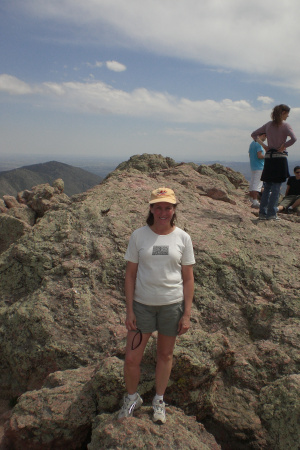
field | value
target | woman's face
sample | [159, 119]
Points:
[162, 212]
[284, 115]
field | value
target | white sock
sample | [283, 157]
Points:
[158, 397]
[132, 396]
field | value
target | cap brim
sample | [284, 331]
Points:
[161, 200]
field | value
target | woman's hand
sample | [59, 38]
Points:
[183, 325]
[282, 148]
[130, 321]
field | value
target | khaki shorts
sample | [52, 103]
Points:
[164, 318]
[289, 200]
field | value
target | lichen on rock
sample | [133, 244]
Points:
[62, 312]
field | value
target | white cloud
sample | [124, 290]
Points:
[97, 97]
[96, 64]
[232, 34]
[14, 86]
[53, 88]
[265, 100]
[115, 66]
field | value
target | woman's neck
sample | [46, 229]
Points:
[162, 230]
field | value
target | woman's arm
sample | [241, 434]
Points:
[188, 295]
[258, 132]
[291, 141]
[130, 277]
[264, 146]
[291, 135]
[255, 136]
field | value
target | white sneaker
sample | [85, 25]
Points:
[255, 204]
[129, 406]
[159, 414]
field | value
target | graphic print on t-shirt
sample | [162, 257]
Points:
[160, 250]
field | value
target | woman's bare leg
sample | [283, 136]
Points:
[165, 347]
[133, 360]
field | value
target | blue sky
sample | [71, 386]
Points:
[189, 79]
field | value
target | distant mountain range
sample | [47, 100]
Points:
[76, 180]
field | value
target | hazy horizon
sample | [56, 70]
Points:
[102, 166]
[110, 159]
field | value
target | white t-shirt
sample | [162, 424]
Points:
[159, 258]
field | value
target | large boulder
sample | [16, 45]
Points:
[280, 411]
[26, 208]
[180, 432]
[58, 416]
[11, 229]
[62, 304]
[146, 163]
[63, 414]
[237, 179]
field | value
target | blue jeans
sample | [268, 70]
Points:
[269, 199]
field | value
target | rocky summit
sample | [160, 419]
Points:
[235, 382]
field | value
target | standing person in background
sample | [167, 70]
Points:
[159, 289]
[276, 169]
[256, 155]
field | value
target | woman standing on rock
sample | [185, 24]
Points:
[159, 289]
[276, 169]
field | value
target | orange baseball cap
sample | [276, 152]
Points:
[163, 195]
